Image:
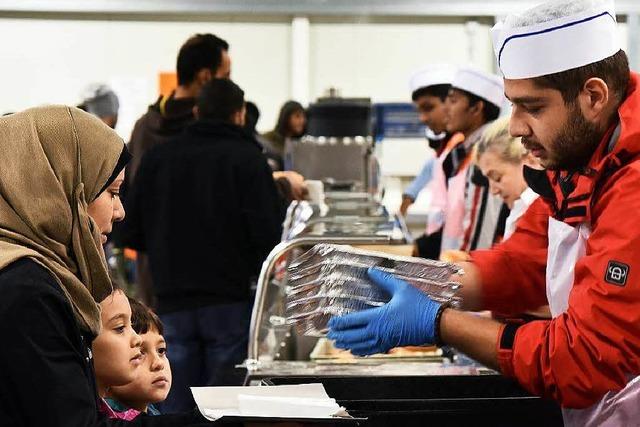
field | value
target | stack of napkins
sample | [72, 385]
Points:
[285, 401]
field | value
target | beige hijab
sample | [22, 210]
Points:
[53, 161]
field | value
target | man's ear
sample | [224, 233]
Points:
[477, 108]
[237, 118]
[203, 76]
[196, 112]
[594, 98]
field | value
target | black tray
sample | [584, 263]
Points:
[438, 400]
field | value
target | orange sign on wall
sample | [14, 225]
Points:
[167, 82]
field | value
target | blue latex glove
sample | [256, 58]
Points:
[408, 319]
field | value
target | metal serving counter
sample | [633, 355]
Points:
[387, 390]
[361, 368]
[434, 400]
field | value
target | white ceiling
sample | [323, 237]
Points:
[289, 7]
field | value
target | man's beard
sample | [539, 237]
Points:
[575, 144]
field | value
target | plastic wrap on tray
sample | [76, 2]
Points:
[331, 280]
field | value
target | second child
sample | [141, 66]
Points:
[153, 382]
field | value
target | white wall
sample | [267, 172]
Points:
[376, 60]
[51, 61]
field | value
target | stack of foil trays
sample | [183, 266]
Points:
[331, 280]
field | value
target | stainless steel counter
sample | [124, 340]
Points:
[361, 367]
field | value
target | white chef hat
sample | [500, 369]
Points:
[487, 86]
[556, 36]
[435, 74]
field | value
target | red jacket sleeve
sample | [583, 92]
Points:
[513, 272]
[593, 347]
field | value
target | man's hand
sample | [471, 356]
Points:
[408, 319]
[406, 202]
[298, 187]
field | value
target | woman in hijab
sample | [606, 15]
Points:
[59, 172]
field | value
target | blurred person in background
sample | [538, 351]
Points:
[292, 122]
[290, 184]
[206, 231]
[473, 217]
[101, 101]
[502, 159]
[201, 58]
[430, 87]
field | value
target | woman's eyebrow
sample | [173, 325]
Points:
[120, 316]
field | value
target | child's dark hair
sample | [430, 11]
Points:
[143, 318]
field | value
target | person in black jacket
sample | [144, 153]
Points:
[60, 170]
[201, 58]
[205, 210]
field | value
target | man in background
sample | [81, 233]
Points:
[201, 58]
[474, 218]
[430, 87]
[205, 237]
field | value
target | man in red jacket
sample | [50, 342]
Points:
[575, 105]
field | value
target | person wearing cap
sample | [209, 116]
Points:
[575, 106]
[101, 101]
[430, 87]
[473, 218]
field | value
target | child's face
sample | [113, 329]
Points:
[116, 350]
[154, 379]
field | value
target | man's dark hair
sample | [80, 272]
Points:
[438, 91]
[143, 319]
[614, 70]
[219, 100]
[288, 109]
[200, 51]
[490, 111]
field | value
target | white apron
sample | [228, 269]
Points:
[453, 230]
[567, 245]
[447, 201]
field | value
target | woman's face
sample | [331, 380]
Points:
[116, 349]
[505, 178]
[107, 207]
[297, 122]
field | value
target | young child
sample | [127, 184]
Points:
[116, 351]
[153, 382]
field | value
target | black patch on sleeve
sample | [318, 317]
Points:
[617, 273]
